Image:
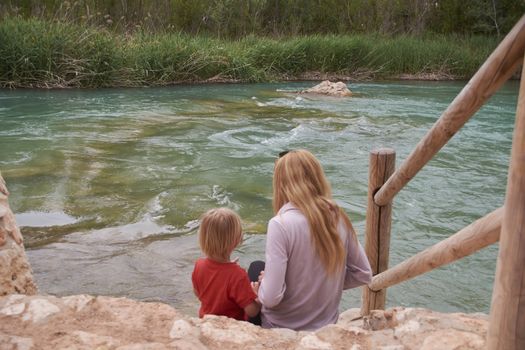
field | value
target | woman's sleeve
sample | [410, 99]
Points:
[271, 290]
[358, 270]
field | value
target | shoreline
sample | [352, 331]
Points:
[312, 76]
[304, 77]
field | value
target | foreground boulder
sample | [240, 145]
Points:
[15, 273]
[328, 88]
[87, 322]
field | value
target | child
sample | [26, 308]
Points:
[221, 285]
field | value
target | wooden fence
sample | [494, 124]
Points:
[506, 224]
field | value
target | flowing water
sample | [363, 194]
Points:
[108, 185]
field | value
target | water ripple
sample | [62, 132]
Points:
[125, 175]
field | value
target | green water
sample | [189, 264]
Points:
[108, 185]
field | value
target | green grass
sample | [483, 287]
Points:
[36, 53]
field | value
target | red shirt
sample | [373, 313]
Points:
[223, 288]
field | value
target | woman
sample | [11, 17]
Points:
[312, 252]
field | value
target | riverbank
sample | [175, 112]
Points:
[87, 322]
[45, 54]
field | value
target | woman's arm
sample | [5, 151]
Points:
[272, 287]
[358, 270]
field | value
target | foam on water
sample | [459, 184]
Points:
[222, 198]
[44, 219]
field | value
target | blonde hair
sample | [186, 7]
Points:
[299, 179]
[219, 233]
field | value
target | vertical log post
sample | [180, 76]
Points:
[507, 312]
[378, 220]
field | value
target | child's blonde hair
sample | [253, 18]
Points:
[219, 233]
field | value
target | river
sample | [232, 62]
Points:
[108, 184]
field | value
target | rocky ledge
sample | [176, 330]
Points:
[87, 322]
[15, 273]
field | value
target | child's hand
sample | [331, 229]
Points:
[255, 287]
[261, 276]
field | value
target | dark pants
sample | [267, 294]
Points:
[253, 273]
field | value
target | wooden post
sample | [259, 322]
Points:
[480, 234]
[507, 311]
[378, 220]
[500, 66]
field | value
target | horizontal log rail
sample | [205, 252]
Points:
[480, 234]
[499, 67]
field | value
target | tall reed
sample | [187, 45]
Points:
[36, 53]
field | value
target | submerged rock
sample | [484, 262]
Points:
[328, 88]
[87, 322]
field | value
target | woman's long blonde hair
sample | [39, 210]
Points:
[299, 178]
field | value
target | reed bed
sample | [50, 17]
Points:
[38, 53]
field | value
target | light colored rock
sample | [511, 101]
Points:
[3, 211]
[15, 343]
[15, 273]
[14, 309]
[326, 87]
[350, 316]
[85, 322]
[410, 327]
[94, 341]
[13, 298]
[188, 344]
[311, 341]
[77, 302]
[285, 333]
[218, 330]
[181, 329]
[380, 319]
[39, 309]
[143, 346]
[341, 336]
[453, 339]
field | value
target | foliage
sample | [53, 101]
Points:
[37, 53]
[239, 18]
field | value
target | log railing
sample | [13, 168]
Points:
[478, 235]
[498, 68]
[506, 224]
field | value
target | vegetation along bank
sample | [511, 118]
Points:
[105, 43]
[44, 53]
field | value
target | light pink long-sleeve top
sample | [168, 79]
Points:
[296, 292]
